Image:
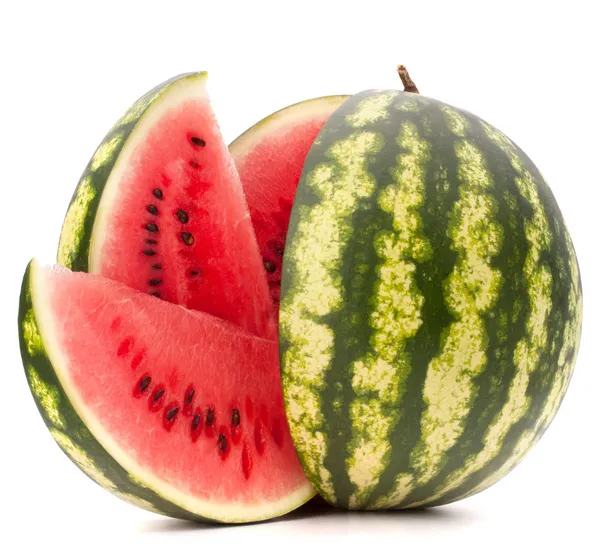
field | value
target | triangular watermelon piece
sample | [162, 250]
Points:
[174, 410]
[161, 209]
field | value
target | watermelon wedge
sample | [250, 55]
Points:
[174, 410]
[269, 158]
[161, 209]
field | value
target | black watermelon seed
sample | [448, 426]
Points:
[182, 216]
[171, 413]
[144, 383]
[269, 266]
[158, 193]
[153, 282]
[222, 442]
[152, 209]
[194, 272]
[151, 241]
[187, 238]
[235, 417]
[156, 266]
[198, 141]
[194, 165]
[152, 227]
[196, 422]
[190, 396]
[210, 417]
[158, 394]
[156, 294]
[149, 253]
[279, 251]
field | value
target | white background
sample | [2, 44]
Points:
[67, 73]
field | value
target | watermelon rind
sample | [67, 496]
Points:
[89, 446]
[431, 305]
[93, 194]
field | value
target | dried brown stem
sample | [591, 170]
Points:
[409, 84]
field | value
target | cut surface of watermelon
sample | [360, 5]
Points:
[189, 405]
[269, 158]
[167, 211]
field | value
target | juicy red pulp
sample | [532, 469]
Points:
[159, 215]
[223, 426]
[273, 249]
[197, 250]
[186, 399]
[270, 169]
[179, 227]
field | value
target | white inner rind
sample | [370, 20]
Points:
[230, 512]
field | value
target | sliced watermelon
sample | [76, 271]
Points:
[174, 410]
[160, 208]
[269, 158]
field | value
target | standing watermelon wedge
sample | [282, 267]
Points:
[161, 209]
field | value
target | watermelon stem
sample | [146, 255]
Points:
[409, 84]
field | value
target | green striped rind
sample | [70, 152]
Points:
[431, 305]
[67, 428]
[76, 234]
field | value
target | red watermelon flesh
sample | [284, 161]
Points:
[173, 222]
[269, 158]
[189, 404]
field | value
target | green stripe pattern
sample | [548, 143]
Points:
[76, 234]
[431, 305]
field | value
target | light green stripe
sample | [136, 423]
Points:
[31, 335]
[317, 291]
[538, 279]
[456, 122]
[106, 151]
[73, 228]
[561, 380]
[372, 109]
[470, 292]
[378, 377]
[80, 457]
[47, 396]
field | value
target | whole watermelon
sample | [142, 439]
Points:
[431, 305]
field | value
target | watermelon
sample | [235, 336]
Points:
[160, 208]
[431, 305]
[269, 159]
[176, 411]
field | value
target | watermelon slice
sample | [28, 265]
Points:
[174, 410]
[269, 158]
[161, 209]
